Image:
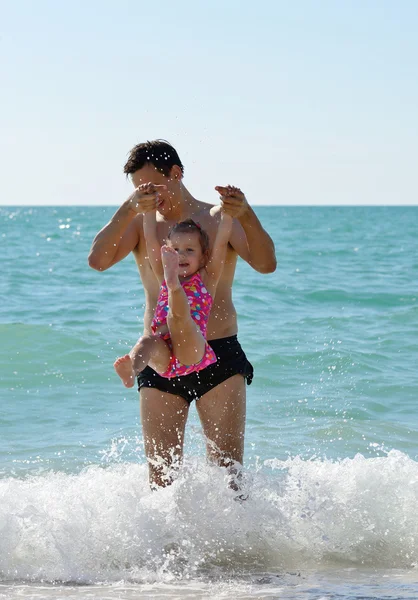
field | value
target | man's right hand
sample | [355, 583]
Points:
[145, 198]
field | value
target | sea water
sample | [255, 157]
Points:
[331, 449]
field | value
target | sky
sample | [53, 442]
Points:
[304, 102]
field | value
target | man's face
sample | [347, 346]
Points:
[149, 174]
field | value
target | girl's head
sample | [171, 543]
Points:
[192, 244]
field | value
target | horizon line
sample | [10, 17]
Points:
[385, 205]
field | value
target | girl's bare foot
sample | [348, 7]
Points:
[123, 367]
[170, 260]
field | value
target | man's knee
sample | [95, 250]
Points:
[163, 464]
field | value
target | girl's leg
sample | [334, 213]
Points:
[150, 350]
[186, 337]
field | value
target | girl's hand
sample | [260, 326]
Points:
[233, 200]
[146, 198]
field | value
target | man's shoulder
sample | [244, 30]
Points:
[206, 210]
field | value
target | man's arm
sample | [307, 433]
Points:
[121, 235]
[116, 240]
[258, 248]
[153, 244]
[218, 255]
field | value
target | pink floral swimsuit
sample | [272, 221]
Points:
[200, 302]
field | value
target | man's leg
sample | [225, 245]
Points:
[222, 414]
[163, 419]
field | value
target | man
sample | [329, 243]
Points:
[220, 388]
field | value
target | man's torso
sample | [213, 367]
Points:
[222, 320]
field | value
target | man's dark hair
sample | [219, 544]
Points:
[158, 153]
[190, 226]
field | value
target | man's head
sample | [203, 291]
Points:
[158, 153]
[156, 162]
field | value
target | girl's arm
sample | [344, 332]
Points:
[216, 261]
[153, 245]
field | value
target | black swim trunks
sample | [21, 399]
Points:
[231, 361]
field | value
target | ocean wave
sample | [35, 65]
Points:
[105, 525]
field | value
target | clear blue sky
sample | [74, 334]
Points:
[304, 102]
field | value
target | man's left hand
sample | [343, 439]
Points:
[233, 200]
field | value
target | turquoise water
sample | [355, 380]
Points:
[332, 432]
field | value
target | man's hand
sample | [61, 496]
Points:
[146, 198]
[233, 200]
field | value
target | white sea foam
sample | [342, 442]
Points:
[105, 525]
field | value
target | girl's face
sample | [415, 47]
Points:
[188, 247]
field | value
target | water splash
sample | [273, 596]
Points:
[105, 525]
